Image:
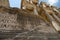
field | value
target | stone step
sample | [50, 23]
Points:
[9, 34]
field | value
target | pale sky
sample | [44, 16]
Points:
[17, 3]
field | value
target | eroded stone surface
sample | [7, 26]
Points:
[20, 25]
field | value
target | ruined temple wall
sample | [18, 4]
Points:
[28, 3]
[16, 19]
[4, 3]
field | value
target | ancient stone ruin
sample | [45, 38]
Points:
[32, 22]
[4, 3]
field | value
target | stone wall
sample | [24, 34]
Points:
[18, 24]
[4, 3]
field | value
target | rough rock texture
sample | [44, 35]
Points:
[16, 24]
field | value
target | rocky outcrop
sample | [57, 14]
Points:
[19, 24]
[5, 3]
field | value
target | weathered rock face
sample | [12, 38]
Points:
[15, 20]
[8, 21]
[4, 3]
[16, 24]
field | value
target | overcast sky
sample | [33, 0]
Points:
[17, 3]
